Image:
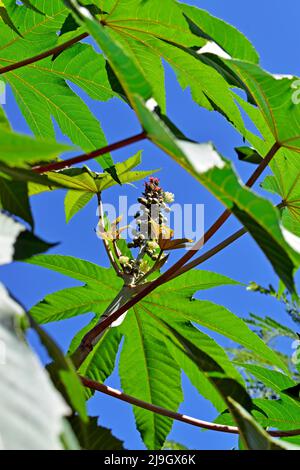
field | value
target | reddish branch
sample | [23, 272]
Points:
[89, 339]
[172, 414]
[43, 55]
[89, 156]
[210, 253]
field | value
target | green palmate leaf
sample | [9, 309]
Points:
[102, 286]
[276, 98]
[226, 36]
[23, 42]
[14, 199]
[71, 302]
[124, 172]
[91, 183]
[91, 436]
[41, 93]
[32, 410]
[46, 95]
[208, 88]
[207, 314]
[21, 151]
[75, 201]
[81, 65]
[126, 70]
[207, 346]
[284, 182]
[143, 332]
[253, 436]
[148, 372]
[148, 61]
[212, 370]
[271, 378]
[79, 179]
[279, 414]
[100, 363]
[151, 18]
[79, 269]
[87, 183]
[157, 319]
[16, 243]
[126, 30]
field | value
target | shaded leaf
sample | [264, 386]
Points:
[32, 410]
[253, 436]
[249, 155]
[14, 199]
[16, 243]
[21, 150]
[63, 373]
[91, 436]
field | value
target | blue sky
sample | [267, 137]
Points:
[273, 29]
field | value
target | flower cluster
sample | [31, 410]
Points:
[153, 204]
[150, 223]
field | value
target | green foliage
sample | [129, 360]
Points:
[170, 330]
[286, 173]
[22, 151]
[253, 436]
[94, 437]
[32, 410]
[150, 329]
[41, 92]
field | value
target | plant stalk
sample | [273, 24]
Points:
[84, 349]
[172, 414]
[88, 340]
[89, 156]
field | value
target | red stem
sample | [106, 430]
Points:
[89, 156]
[43, 55]
[172, 414]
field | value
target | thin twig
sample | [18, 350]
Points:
[171, 272]
[43, 55]
[105, 242]
[210, 253]
[172, 414]
[89, 156]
